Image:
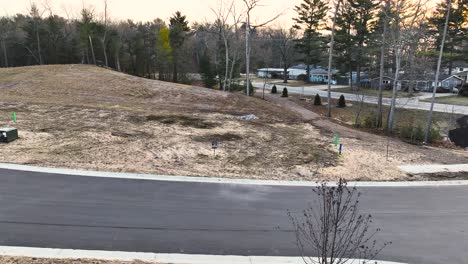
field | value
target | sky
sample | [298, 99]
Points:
[147, 10]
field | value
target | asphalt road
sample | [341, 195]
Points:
[407, 103]
[426, 224]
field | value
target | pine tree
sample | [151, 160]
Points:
[342, 101]
[456, 31]
[179, 28]
[207, 74]
[317, 100]
[274, 89]
[363, 12]
[311, 20]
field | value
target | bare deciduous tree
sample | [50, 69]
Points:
[222, 15]
[436, 84]
[332, 231]
[386, 8]
[103, 38]
[251, 5]
[406, 17]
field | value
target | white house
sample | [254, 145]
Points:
[269, 72]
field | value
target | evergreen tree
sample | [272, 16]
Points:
[341, 101]
[363, 12]
[317, 100]
[310, 20]
[285, 92]
[456, 32]
[274, 90]
[179, 29]
[344, 42]
[206, 71]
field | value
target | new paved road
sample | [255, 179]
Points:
[427, 225]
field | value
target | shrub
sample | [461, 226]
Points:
[415, 134]
[370, 121]
[464, 90]
[434, 135]
[302, 77]
[317, 100]
[251, 89]
[274, 90]
[342, 101]
[285, 92]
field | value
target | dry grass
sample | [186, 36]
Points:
[90, 118]
[26, 260]
[86, 117]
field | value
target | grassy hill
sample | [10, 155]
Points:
[88, 117]
[84, 85]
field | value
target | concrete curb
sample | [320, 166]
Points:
[53, 253]
[119, 175]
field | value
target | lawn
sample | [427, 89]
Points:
[372, 92]
[453, 100]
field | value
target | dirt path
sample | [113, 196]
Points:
[371, 156]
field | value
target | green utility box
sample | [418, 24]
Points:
[8, 134]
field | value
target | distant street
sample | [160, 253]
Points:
[426, 224]
[408, 103]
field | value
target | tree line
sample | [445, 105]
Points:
[381, 38]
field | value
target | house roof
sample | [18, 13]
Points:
[463, 73]
[453, 76]
[270, 69]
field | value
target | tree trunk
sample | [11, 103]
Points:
[330, 58]
[226, 72]
[175, 70]
[39, 46]
[285, 73]
[231, 73]
[391, 116]
[381, 75]
[5, 54]
[247, 56]
[104, 49]
[92, 49]
[117, 61]
[439, 62]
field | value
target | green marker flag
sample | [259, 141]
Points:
[335, 141]
[13, 116]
